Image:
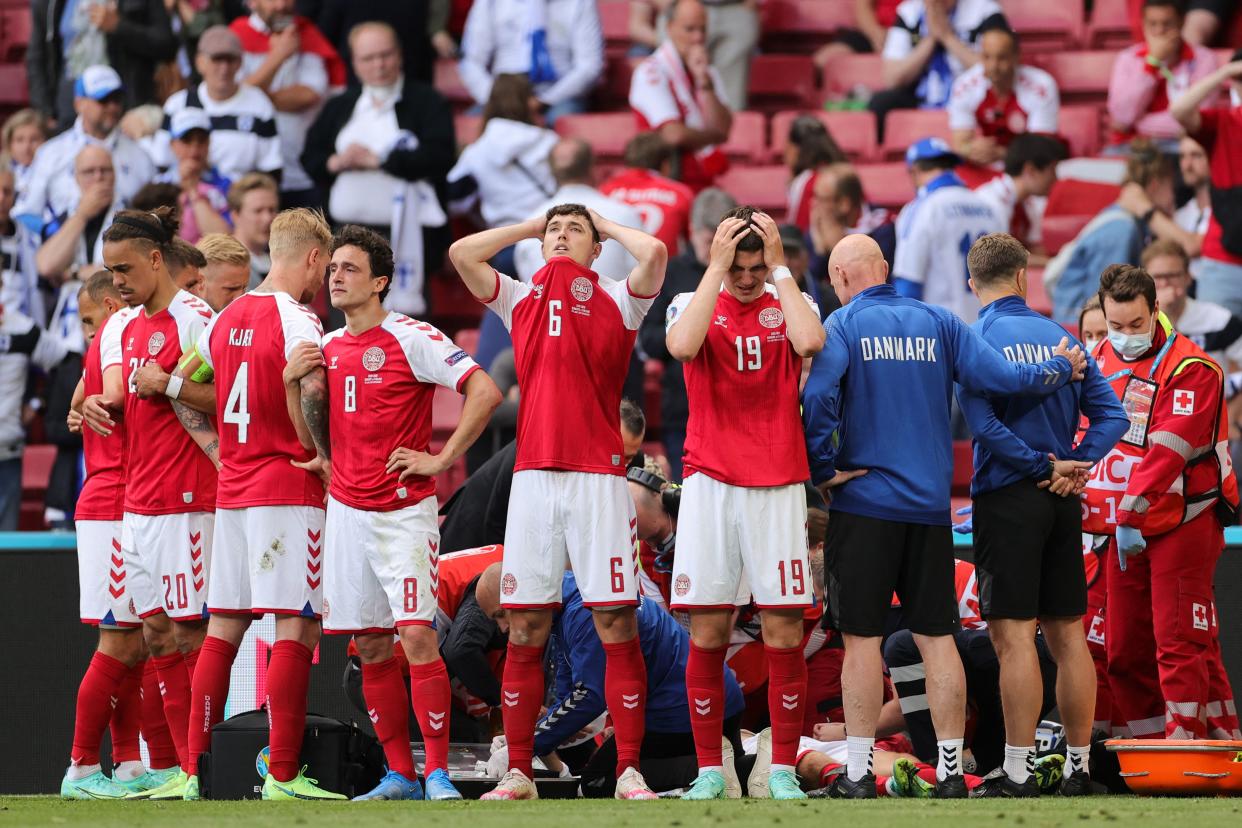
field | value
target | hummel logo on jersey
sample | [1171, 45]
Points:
[629, 700]
[789, 701]
[163, 692]
[703, 706]
[511, 698]
[435, 720]
[899, 348]
[722, 321]
[373, 715]
[113, 700]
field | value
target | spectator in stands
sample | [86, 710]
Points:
[1020, 194]
[1209, 325]
[75, 237]
[1196, 214]
[51, 188]
[558, 44]
[798, 259]
[809, 147]
[287, 58]
[190, 18]
[243, 121]
[732, 35]
[68, 38]
[381, 151]
[1219, 130]
[253, 203]
[872, 18]
[423, 26]
[682, 275]
[23, 133]
[929, 45]
[1206, 18]
[663, 204]
[1149, 75]
[679, 94]
[1116, 235]
[17, 290]
[154, 195]
[837, 210]
[998, 98]
[644, 25]
[573, 166]
[202, 203]
[141, 124]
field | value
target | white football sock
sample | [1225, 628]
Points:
[859, 750]
[1019, 762]
[950, 762]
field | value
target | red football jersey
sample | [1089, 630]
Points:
[458, 570]
[247, 346]
[380, 387]
[745, 425]
[573, 332]
[166, 472]
[103, 493]
[967, 583]
[663, 203]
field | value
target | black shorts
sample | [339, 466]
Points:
[1028, 553]
[869, 559]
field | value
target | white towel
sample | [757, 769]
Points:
[414, 206]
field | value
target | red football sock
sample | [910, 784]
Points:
[288, 676]
[103, 679]
[625, 691]
[430, 694]
[126, 716]
[175, 690]
[521, 696]
[191, 661]
[828, 771]
[384, 690]
[928, 774]
[786, 696]
[161, 752]
[706, 696]
[209, 690]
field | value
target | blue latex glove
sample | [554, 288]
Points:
[968, 525]
[1129, 542]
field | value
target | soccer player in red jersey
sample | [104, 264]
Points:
[663, 203]
[170, 486]
[270, 517]
[110, 691]
[382, 562]
[573, 332]
[742, 337]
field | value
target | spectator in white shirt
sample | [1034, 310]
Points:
[75, 238]
[253, 203]
[999, 98]
[51, 189]
[243, 121]
[1020, 195]
[558, 44]
[1196, 213]
[1209, 325]
[288, 58]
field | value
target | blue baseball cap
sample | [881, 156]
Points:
[187, 120]
[929, 148]
[97, 83]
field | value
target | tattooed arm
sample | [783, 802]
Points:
[199, 426]
[314, 387]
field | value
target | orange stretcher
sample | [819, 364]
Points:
[1180, 767]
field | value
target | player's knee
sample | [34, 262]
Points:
[529, 629]
[158, 634]
[419, 643]
[189, 637]
[373, 648]
[710, 630]
[125, 646]
[782, 628]
[615, 625]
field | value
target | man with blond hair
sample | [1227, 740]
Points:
[269, 515]
[254, 200]
[227, 272]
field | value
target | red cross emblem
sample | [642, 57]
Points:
[1199, 611]
[1183, 402]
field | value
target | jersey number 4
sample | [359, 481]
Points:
[236, 408]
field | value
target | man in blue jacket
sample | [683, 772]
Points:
[1028, 524]
[876, 411]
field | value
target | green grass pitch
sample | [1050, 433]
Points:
[1125, 812]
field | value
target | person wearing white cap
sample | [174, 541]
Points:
[937, 229]
[242, 119]
[203, 200]
[50, 188]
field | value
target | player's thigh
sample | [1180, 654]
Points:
[1010, 527]
[772, 527]
[105, 596]
[535, 554]
[285, 545]
[707, 566]
[863, 558]
[925, 583]
[405, 560]
[600, 538]
[1063, 579]
[228, 587]
[354, 601]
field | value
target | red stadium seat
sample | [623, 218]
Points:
[886, 185]
[1080, 125]
[448, 82]
[16, 35]
[467, 128]
[1046, 25]
[606, 132]
[14, 90]
[782, 82]
[905, 126]
[748, 139]
[802, 26]
[1072, 204]
[1036, 297]
[853, 131]
[615, 20]
[37, 463]
[614, 93]
[468, 340]
[1082, 77]
[846, 72]
[762, 187]
[1110, 25]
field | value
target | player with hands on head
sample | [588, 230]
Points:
[742, 337]
[573, 332]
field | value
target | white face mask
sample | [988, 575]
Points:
[1133, 346]
[1090, 344]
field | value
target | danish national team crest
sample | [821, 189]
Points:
[373, 358]
[682, 585]
[156, 343]
[582, 289]
[508, 584]
[771, 317]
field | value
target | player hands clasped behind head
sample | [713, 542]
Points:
[742, 336]
[383, 540]
[166, 529]
[573, 332]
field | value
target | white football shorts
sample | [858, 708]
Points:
[105, 598]
[268, 559]
[167, 558]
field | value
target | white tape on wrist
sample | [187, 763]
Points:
[781, 272]
[173, 391]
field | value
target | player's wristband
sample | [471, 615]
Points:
[781, 272]
[173, 391]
